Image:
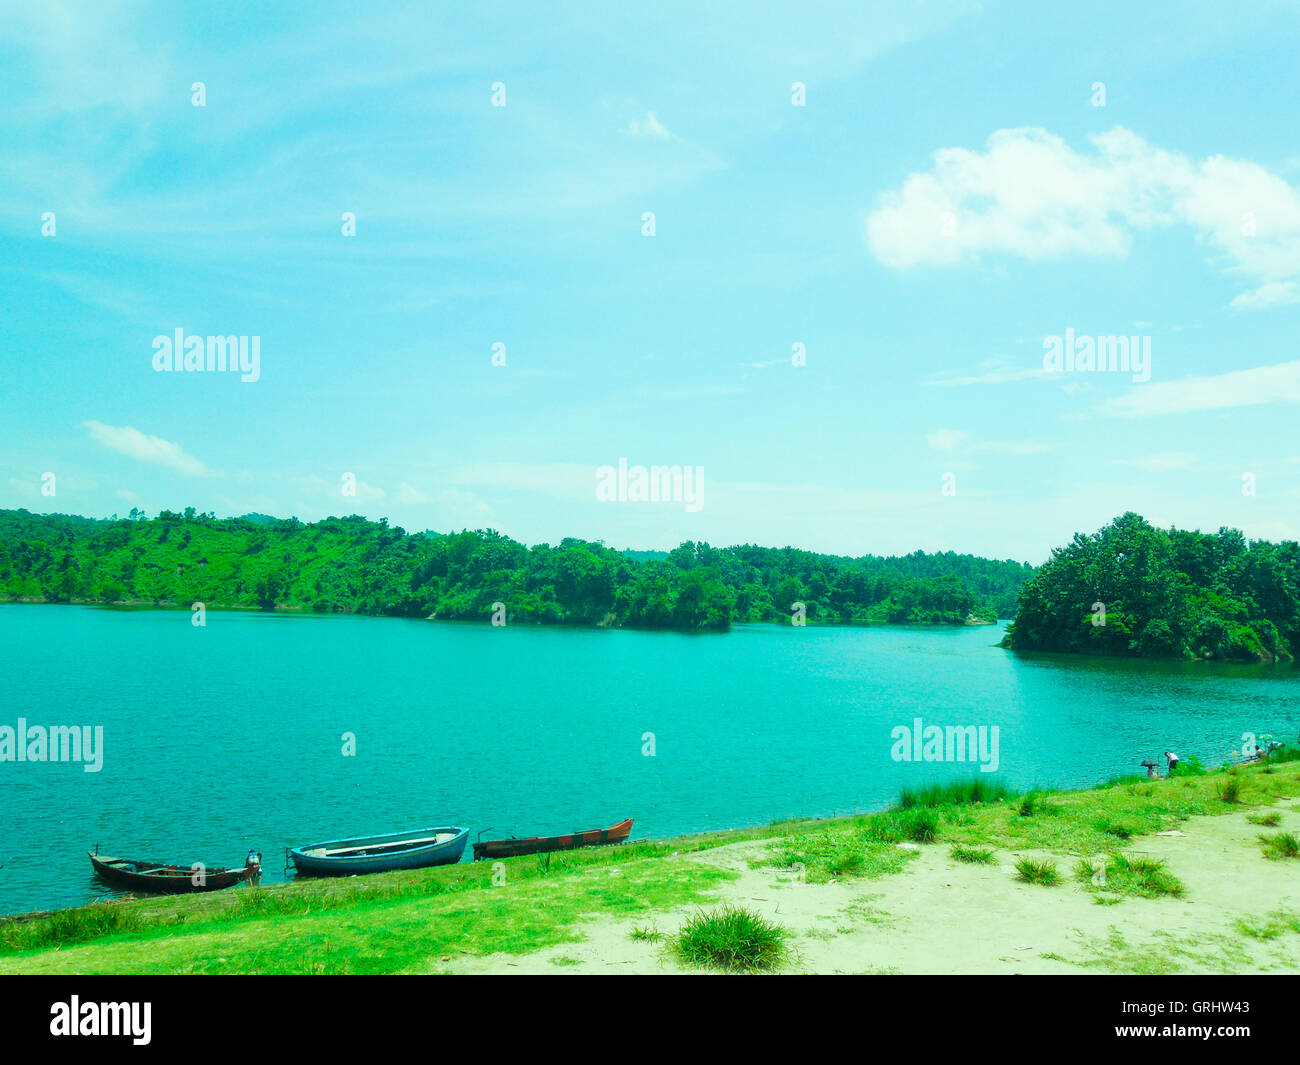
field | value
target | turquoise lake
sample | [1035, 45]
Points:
[228, 737]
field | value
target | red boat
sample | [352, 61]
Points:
[509, 848]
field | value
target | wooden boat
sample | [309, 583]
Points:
[509, 848]
[161, 878]
[416, 849]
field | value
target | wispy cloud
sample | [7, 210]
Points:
[1240, 388]
[1161, 461]
[408, 493]
[996, 373]
[959, 440]
[1273, 294]
[649, 127]
[946, 439]
[131, 442]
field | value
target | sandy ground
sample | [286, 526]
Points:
[943, 916]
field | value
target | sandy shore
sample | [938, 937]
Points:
[944, 916]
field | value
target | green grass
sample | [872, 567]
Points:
[395, 922]
[731, 938]
[1033, 804]
[1117, 828]
[1124, 875]
[1270, 927]
[423, 921]
[1268, 820]
[1037, 872]
[1228, 789]
[978, 791]
[1280, 845]
[973, 855]
[918, 824]
[66, 927]
[834, 855]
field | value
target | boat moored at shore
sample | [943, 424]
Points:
[509, 848]
[163, 879]
[415, 849]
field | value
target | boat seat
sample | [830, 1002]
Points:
[385, 846]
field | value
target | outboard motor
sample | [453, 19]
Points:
[254, 865]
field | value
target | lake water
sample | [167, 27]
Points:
[230, 736]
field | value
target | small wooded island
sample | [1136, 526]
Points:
[1135, 590]
[354, 565]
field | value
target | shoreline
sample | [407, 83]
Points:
[849, 895]
[136, 605]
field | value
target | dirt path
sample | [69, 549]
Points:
[943, 916]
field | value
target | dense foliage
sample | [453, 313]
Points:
[356, 565]
[1164, 594]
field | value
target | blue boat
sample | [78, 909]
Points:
[416, 849]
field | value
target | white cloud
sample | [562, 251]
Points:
[460, 506]
[1031, 195]
[1273, 294]
[137, 445]
[946, 439]
[407, 493]
[1161, 461]
[957, 439]
[992, 374]
[1011, 447]
[649, 127]
[1279, 383]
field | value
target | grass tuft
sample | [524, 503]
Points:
[1121, 874]
[1118, 829]
[1033, 804]
[920, 824]
[974, 855]
[979, 791]
[1033, 872]
[1280, 845]
[731, 938]
[1228, 789]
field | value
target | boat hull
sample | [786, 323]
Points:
[380, 854]
[159, 878]
[512, 848]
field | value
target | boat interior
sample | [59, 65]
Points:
[152, 868]
[363, 848]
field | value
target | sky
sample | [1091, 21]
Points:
[818, 257]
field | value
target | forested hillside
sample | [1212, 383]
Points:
[356, 565]
[1131, 589]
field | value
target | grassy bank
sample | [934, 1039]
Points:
[431, 920]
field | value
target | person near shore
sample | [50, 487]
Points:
[1172, 759]
[254, 863]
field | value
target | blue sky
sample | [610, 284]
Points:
[948, 197]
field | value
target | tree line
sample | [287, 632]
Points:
[354, 565]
